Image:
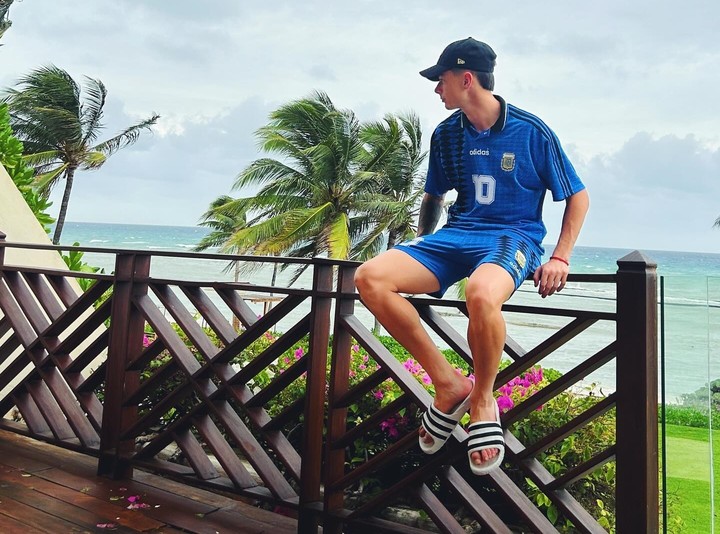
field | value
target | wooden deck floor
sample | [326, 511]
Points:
[48, 489]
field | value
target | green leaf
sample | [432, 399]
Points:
[552, 514]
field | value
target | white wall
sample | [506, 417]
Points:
[19, 224]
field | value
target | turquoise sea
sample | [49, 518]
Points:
[689, 298]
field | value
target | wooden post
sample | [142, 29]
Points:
[2, 251]
[637, 396]
[127, 327]
[311, 468]
[339, 385]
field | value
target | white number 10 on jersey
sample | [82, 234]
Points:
[484, 188]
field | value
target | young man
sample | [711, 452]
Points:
[501, 160]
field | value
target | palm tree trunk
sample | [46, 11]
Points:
[69, 176]
[269, 304]
[236, 277]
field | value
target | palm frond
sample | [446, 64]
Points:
[93, 160]
[40, 158]
[225, 216]
[126, 137]
[46, 182]
[264, 170]
[92, 110]
[338, 237]
[371, 245]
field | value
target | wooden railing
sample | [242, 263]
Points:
[77, 370]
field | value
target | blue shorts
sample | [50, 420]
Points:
[452, 254]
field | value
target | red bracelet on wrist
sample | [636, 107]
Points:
[558, 258]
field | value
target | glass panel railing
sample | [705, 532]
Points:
[687, 313]
[714, 393]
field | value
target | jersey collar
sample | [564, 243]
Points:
[499, 125]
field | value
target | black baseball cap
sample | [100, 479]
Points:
[467, 54]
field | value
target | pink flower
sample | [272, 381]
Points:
[146, 340]
[412, 366]
[366, 358]
[362, 367]
[135, 503]
[389, 426]
[536, 375]
[299, 353]
[355, 348]
[378, 394]
[426, 379]
[505, 403]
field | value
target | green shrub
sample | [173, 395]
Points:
[11, 157]
[595, 492]
[74, 260]
[686, 416]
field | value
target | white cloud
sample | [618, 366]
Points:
[628, 87]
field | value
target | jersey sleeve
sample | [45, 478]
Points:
[436, 182]
[557, 172]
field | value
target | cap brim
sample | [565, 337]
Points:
[434, 72]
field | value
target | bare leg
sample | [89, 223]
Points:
[379, 281]
[487, 289]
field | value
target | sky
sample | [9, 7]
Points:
[629, 88]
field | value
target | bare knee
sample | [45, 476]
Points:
[369, 280]
[487, 289]
[481, 299]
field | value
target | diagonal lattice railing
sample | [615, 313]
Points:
[206, 398]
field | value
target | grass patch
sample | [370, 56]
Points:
[688, 476]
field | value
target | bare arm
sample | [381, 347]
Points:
[551, 276]
[430, 210]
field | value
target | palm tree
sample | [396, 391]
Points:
[309, 202]
[225, 216]
[5, 21]
[395, 156]
[59, 128]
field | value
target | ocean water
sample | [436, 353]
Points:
[689, 304]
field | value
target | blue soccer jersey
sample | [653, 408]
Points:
[501, 175]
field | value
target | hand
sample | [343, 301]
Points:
[551, 277]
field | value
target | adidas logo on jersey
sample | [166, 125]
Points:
[479, 152]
